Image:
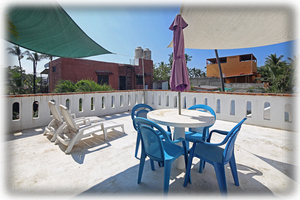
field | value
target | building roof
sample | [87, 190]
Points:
[244, 57]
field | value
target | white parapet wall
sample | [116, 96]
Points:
[269, 110]
[93, 104]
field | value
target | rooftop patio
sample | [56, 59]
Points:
[266, 162]
[265, 149]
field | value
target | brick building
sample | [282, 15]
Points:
[119, 76]
[235, 69]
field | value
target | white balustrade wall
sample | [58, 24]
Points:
[268, 111]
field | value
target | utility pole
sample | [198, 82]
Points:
[220, 70]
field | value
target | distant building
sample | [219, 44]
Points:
[235, 69]
[119, 76]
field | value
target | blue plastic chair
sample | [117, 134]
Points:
[141, 110]
[200, 133]
[217, 156]
[159, 150]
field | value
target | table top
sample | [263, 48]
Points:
[188, 118]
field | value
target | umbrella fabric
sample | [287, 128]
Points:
[179, 80]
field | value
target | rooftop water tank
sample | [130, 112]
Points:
[138, 53]
[147, 54]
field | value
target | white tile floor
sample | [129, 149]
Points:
[33, 166]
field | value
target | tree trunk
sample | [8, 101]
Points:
[34, 74]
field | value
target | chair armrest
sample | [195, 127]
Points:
[220, 132]
[178, 140]
[207, 143]
[90, 126]
[216, 131]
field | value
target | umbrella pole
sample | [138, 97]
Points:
[179, 102]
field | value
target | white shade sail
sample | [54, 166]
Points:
[236, 26]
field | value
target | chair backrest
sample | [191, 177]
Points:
[203, 108]
[151, 141]
[68, 118]
[55, 111]
[140, 110]
[231, 137]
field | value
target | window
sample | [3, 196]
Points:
[103, 79]
[129, 100]
[112, 101]
[92, 103]
[218, 106]
[175, 101]
[167, 100]
[16, 111]
[139, 80]
[121, 100]
[53, 69]
[205, 101]
[103, 103]
[35, 109]
[68, 104]
[267, 110]
[248, 109]
[80, 105]
[288, 112]
[232, 107]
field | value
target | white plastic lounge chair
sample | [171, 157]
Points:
[72, 133]
[111, 125]
[56, 125]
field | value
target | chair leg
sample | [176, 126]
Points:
[167, 176]
[201, 165]
[220, 173]
[141, 168]
[138, 139]
[234, 170]
[188, 177]
[152, 165]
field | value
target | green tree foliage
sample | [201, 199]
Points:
[85, 85]
[13, 84]
[162, 72]
[279, 73]
[16, 50]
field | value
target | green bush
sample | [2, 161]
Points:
[64, 86]
[85, 85]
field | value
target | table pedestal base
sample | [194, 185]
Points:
[179, 132]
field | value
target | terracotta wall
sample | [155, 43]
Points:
[233, 67]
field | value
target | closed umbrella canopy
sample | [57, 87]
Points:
[50, 30]
[179, 80]
[236, 26]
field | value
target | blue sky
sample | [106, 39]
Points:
[120, 29]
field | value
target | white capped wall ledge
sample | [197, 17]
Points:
[263, 109]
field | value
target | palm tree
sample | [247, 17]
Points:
[15, 50]
[34, 57]
[274, 63]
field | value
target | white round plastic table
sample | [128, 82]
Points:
[188, 118]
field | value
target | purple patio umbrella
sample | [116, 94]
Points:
[179, 80]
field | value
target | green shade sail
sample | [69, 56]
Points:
[50, 30]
